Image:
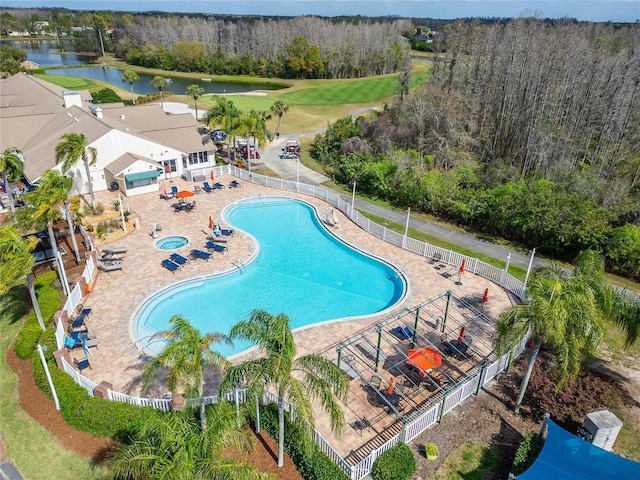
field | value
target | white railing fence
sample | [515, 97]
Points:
[427, 416]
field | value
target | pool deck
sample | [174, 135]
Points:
[116, 295]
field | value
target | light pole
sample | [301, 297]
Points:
[297, 170]
[506, 270]
[353, 198]
[124, 224]
[46, 371]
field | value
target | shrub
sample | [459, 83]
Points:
[49, 302]
[397, 463]
[527, 452]
[313, 466]
[430, 449]
[102, 418]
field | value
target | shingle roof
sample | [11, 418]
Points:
[126, 160]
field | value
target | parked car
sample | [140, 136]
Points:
[288, 155]
[292, 146]
[218, 135]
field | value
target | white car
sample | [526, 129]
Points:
[289, 155]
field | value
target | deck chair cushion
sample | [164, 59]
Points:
[69, 342]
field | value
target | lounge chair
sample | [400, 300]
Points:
[235, 184]
[169, 265]
[206, 187]
[224, 231]
[200, 254]
[348, 367]
[114, 250]
[174, 190]
[109, 257]
[82, 363]
[218, 185]
[109, 267]
[179, 259]
[402, 332]
[370, 351]
[451, 272]
[215, 247]
[197, 190]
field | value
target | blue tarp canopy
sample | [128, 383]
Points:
[567, 457]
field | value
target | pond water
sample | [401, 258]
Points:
[48, 53]
[143, 86]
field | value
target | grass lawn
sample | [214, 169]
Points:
[34, 451]
[471, 461]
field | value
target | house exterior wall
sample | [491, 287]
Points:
[110, 147]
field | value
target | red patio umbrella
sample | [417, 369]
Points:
[461, 335]
[390, 387]
[464, 261]
[485, 297]
[168, 168]
[212, 176]
[210, 222]
[184, 194]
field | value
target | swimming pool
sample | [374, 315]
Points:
[301, 270]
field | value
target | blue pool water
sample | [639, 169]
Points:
[301, 270]
[172, 242]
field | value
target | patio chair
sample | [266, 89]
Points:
[174, 190]
[435, 259]
[82, 310]
[76, 322]
[235, 184]
[206, 187]
[169, 265]
[200, 254]
[179, 259]
[215, 247]
[218, 185]
[82, 363]
[197, 190]
[79, 340]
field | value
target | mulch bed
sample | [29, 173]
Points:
[42, 409]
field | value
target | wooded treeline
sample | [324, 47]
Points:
[528, 130]
[300, 47]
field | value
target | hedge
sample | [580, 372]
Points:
[317, 465]
[49, 302]
[397, 463]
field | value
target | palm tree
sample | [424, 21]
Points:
[73, 148]
[173, 447]
[16, 262]
[186, 354]
[11, 168]
[131, 77]
[565, 310]
[160, 83]
[279, 108]
[56, 182]
[225, 114]
[41, 207]
[195, 91]
[296, 380]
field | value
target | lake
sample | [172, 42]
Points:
[177, 85]
[47, 53]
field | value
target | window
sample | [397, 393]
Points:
[196, 158]
[165, 163]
